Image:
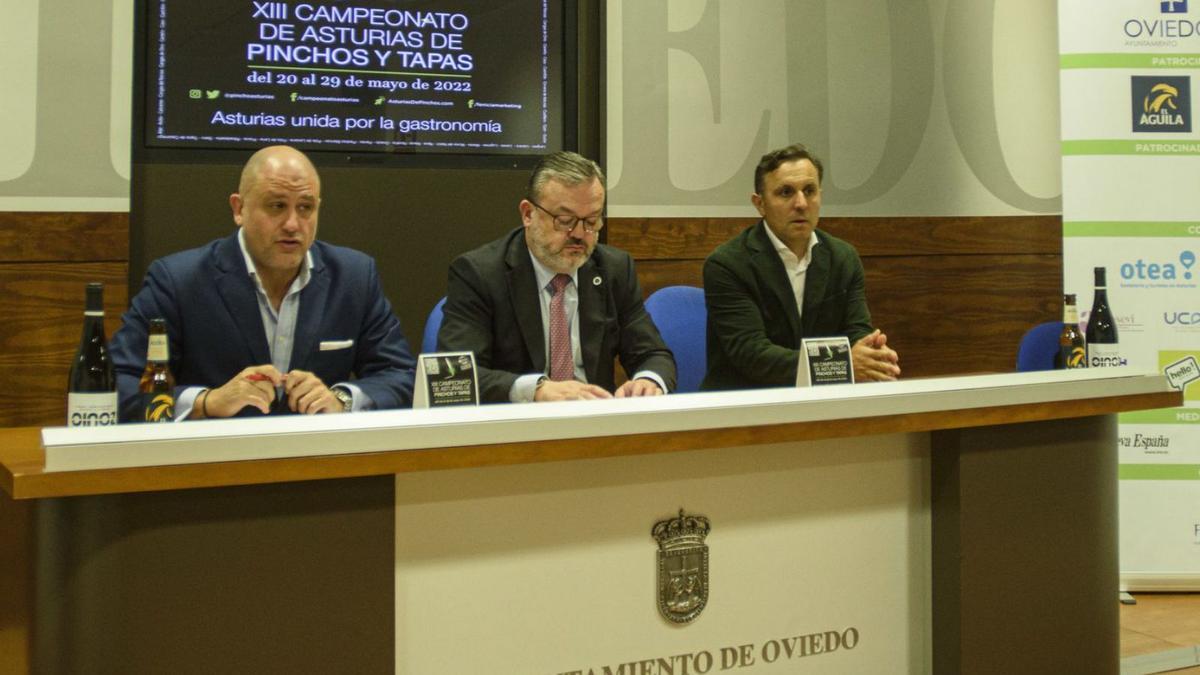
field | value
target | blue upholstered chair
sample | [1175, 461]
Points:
[1038, 347]
[681, 317]
[432, 324]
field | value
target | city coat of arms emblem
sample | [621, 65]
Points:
[682, 566]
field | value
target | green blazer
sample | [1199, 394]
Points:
[754, 331]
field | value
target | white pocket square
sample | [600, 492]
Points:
[333, 345]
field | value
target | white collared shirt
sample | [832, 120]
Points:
[796, 267]
[280, 327]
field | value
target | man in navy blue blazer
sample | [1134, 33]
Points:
[269, 319]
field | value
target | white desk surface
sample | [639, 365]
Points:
[145, 445]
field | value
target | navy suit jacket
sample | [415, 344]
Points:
[215, 329]
[492, 309]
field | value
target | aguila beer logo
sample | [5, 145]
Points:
[1074, 357]
[161, 408]
[1161, 104]
[682, 567]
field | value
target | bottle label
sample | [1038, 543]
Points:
[157, 349]
[1101, 354]
[91, 410]
[159, 406]
[1070, 314]
[1074, 356]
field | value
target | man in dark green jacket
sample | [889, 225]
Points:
[752, 284]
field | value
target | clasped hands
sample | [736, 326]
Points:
[574, 390]
[255, 386]
[873, 359]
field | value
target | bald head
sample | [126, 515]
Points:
[276, 205]
[276, 159]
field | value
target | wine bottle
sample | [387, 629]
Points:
[92, 386]
[1102, 347]
[158, 384]
[1071, 350]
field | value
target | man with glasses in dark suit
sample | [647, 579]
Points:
[546, 308]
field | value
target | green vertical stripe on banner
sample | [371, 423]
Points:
[1123, 147]
[1069, 61]
[1159, 472]
[1113, 228]
[1161, 416]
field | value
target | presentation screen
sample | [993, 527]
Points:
[477, 77]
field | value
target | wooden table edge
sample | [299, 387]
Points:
[27, 480]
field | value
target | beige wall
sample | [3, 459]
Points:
[920, 107]
[926, 107]
[64, 117]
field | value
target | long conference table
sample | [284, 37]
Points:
[951, 525]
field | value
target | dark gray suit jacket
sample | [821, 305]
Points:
[492, 309]
[754, 330]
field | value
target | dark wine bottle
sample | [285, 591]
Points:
[158, 383]
[1071, 350]
[92, 386]
[1102, 347]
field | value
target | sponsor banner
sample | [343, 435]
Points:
[1101, 189]
[1130, 229]
[1166, 445]
[1131, 160]
[1164, 416]
[1142, 274]
[1138, 26]
[1139, 61]
[1182, 367]
[1159, 472]
[1139, 147]
[1160, 103]
[1160, 526]
[1155, 108]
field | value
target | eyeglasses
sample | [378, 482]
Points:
[564, 222]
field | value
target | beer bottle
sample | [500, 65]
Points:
[92, 387]
[1102, 349]
[1071, 350]
[158, 384]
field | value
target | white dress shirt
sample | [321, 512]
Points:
[796, 267]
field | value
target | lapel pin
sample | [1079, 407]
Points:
[595, 281]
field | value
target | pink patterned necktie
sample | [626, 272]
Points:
[562, 363]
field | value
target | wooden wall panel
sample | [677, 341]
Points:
[672, 238]
[62, 237]
[965, 235]
[654, 274]
[951, 315]
[46, 259]
[695, 238]
[954, 295]
[43, 307]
